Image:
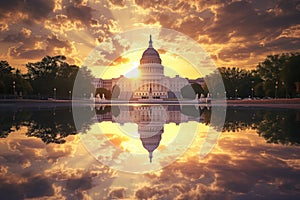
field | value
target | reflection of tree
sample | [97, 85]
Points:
[52, 125]
[276, 126]
[190, 110]
[10, 120]
[280, 127]
[206, 115]
[241, 119]
[101, 110]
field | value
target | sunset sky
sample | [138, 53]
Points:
[234, 33]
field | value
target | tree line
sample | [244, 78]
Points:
[52, 77]
[276, 77]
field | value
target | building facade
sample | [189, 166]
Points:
[152, 82]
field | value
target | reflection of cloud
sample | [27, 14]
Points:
[35, 187]
[56, 151]
[242, 165]
[117, 193]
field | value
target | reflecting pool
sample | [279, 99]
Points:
[149, 152]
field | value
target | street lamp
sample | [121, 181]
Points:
[285, 89]
[252, 89]
[276, 87]
[70, 92]
[54, 93]
[14, 88]
[236, 90]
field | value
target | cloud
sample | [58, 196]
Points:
[79, 12]
[242, 19]
[120, 3]
[109, 52]
[35, 46]
[161, 51]
[151, 4]
[120, 60]
[244, 31]
[32, 10]
[240, 33]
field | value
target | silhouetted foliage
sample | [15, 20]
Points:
[274, 77]
[12, 82]
[188, 92]
[53, 125]
[101, 110]
[279, 74]
[280, 127]
[191, 110]
[52, 76]
[238, 82]
[115, 92]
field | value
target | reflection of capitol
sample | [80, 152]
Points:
[150, 119]
[152, 83]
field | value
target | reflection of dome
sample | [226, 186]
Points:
[151, 143]
[150, 55]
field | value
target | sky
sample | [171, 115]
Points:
[234, 33]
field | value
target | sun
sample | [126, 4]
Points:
[133, 72]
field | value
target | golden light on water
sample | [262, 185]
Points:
[127, 139]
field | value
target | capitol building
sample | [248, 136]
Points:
[152, 83]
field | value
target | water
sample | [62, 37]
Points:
[105, 153]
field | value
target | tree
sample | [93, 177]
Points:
[291, 74]
[238, 82]
[188, 92]
[6, 78]
[5, 68]
[197, 88]
[279, 74]
[83, 84]
[54, 75]
[12, 82]
[115, 92]
[42, 74]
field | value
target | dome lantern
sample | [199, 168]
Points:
[150, 55]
